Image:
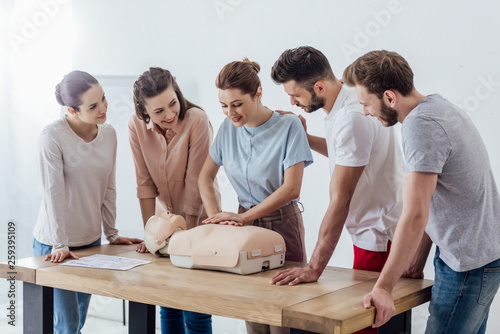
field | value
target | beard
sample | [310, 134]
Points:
[315, 104]
[388, 115]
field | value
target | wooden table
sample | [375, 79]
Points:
[331, 305]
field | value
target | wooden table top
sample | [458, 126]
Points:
[331, 305]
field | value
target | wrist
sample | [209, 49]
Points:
[212, 213]
[380, 285]
[315, 267]
[243, 217]
[54, 250]
[112, 238]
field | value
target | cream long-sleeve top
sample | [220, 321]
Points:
[168, 165]
[79, 190]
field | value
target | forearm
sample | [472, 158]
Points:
[208, 195]
[418, 189]
[54, 189]
[406, 241]
[416, 268]
[342, 186]
[318, 144]
[273, 202]
[108, 213]
[108, 209]
[287, 192]
[148, 207]
[199, 144]
[329, 235]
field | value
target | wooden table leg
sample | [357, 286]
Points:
[38, 309]
[299, 331]
[399, 324]
[141, 318]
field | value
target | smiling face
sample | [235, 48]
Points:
[240, 108]
[93, 107]
[163, 109]
[376, 107]
[303, 98]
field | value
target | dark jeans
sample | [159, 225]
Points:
[174, 321]
[460, 301]
[70, 307]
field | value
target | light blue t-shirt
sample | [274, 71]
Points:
[255, 159]
[464, 217]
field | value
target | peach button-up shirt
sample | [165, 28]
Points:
[167, 166]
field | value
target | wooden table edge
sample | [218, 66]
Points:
[321, 324]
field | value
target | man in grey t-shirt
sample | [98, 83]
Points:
[449, 196]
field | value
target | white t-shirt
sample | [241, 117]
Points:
[79, 192]
[356, 140]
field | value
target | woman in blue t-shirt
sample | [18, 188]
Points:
[263, 154]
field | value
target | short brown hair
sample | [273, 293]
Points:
[240, 74]
[152, 83]
[304, 64]
[379, 71]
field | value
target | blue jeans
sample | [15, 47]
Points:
[70, 307]
[461, 301]
[174, 321]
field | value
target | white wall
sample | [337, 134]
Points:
[452, 47]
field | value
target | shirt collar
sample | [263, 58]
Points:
[339, 101]
[263, 126]
[177, 128]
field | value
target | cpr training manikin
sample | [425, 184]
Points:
[236, 249]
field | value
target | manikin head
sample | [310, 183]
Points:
[159, 229]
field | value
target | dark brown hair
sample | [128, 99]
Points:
[152, 83]
[305, 65]
[242, 75]
[379, 71]
[71, 88]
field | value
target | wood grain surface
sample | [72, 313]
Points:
[331, 305]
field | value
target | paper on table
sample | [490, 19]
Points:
[101, 261]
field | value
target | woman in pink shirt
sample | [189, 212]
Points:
[170, 138]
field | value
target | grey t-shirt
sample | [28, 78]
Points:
[464, 220]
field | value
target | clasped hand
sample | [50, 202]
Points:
[384, 305]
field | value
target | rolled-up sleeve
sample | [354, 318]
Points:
[146, 188]
[199, 144]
